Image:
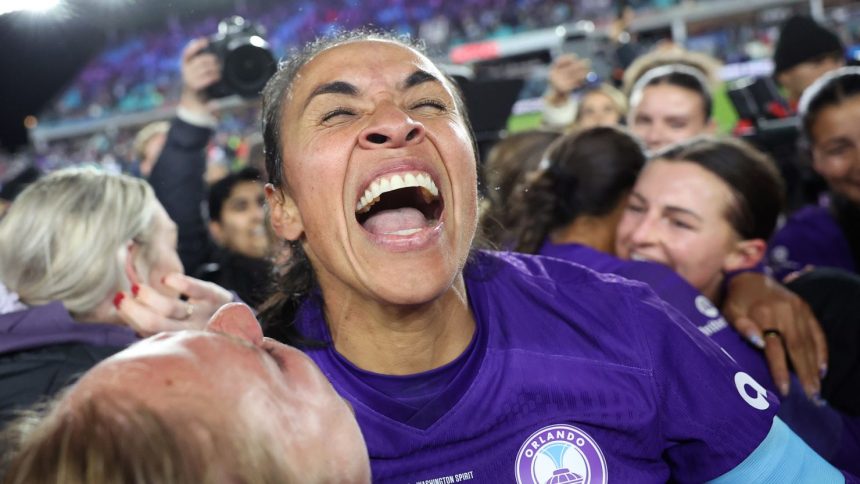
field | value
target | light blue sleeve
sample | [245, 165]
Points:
[782, 457]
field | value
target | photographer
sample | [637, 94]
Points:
[178, 177]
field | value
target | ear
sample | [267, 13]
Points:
[216, 231]
[745, 255]
[285, 216]
[131, 272]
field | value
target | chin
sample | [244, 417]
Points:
[414, 284]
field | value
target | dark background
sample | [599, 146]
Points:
[41, 53]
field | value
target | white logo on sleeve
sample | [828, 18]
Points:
[706, 307]
[751, 391]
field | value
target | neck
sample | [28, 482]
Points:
[597, 232]
[103, 313]
[401, 340]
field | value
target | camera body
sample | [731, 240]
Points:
[246, 61]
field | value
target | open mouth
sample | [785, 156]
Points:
[399, 204]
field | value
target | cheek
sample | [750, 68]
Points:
[698, 258]
[626, 226]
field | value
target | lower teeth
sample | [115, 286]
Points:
[404, 232]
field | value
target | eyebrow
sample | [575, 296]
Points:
[673, 209]
[419, 77]
[345, 88]
[336, 87]
[683, 211]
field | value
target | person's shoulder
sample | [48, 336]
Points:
[810, 214]
[556, 307]
[543, 270]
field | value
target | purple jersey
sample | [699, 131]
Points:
[833, 435]
[673, 289]
[573, 376]
[811, 236]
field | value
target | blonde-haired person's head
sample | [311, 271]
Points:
[709, 66]
[148, 144]
[603, 105]
[67, 238]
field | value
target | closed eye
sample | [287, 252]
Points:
[334, 113]
[435, 104]
[681, 224]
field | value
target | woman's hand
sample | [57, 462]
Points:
[566, 73]
[148, 312]
[778, 321]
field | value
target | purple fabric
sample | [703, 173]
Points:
[412, 393]
[811, 236]
[565, 359]
[673, 289]
[51, 324]
[833, 435]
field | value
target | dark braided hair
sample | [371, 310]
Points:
[585, 173]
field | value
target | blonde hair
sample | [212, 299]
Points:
[707, 65]
[145, 134]
[66, 236]
[619, 100]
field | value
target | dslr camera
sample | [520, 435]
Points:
[246, 61]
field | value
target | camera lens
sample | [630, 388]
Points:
[247, 68]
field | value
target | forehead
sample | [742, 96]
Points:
[670, 99]
[835, 119]
[246, 188]
[682, 181]
[362, 61]
[595, 97]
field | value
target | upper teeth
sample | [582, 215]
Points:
[390, 183]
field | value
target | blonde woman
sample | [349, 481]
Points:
[87, 263]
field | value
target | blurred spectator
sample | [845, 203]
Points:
[827, 234]
[508, 163]
[602, 105]
[669, 104]
[236, 222]
[147, 146]
[805, 50]
[237, 258]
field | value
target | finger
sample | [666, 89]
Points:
[165, 306]
[143, 319]
[820, 341]
[749, 330]
[803, 353]
[799, 343]
[566, 59]
[761, 317]
[197, 289]
[193, 48]
[775, 355]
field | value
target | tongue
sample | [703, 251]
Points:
[394, 220]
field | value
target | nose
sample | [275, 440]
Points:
[237, 320]
[645, 233]
[391, 127]
[259, 211]
[654, 138]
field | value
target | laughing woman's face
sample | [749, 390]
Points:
[380, 175]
